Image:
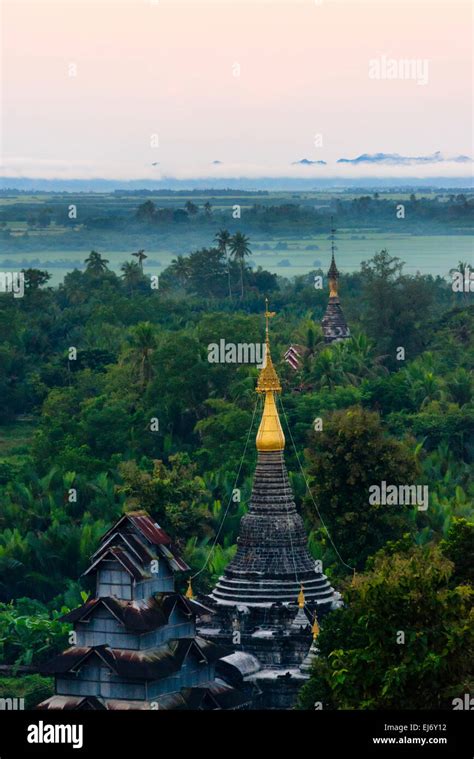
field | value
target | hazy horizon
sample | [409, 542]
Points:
[190, 89]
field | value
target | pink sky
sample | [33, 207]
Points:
[167, 68]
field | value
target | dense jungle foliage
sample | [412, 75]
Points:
[109, 402]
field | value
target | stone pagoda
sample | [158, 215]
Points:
[333, 322]
[267, 600]
[135, 642]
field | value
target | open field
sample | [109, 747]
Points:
[286, 256]
[432, 239]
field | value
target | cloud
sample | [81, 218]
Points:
[377, 165]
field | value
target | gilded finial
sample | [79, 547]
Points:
[268, 315]
[189, 591]
[301, 601]
[268, 378]
[315, 628]
[270, 435]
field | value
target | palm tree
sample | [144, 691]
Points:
[95, 264]
[239, 248]
[328, 369]
[140, 254]
[424, 384]
[142, 339]
[180, 268]
[223, 238]
[131, 274]
[460, 386]
[360, 360]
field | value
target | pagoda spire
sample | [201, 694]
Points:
[301, 599]
[189, 590]
[333, 273]
[333, 322]
[272, 563]
[270, 435]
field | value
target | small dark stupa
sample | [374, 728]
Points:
[265, 603]
[333, 322]
[135, 644]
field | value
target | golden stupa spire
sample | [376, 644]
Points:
[301, 600]
[315, 628]
[270, 435]
[189, 591]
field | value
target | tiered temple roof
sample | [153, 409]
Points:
[136, 645]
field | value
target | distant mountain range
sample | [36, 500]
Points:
[303, 174]
[395, 159]
[307, 162]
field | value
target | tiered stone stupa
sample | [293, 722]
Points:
[136, 645]
[266, 601]
[334, 322]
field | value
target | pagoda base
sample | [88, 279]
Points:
[273, 642]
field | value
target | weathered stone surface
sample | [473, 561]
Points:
[334, 322]
[255, 602]
[272, 560]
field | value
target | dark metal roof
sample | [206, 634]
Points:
[152, 664]
[129, 541]
[213, 695]
[143, 522]
[124, 558]
[237, 666]
[176, 562]
[140, 522]
[139, 616]
[72, 702]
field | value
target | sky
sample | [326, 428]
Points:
[233, 88]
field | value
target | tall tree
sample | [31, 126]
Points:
[95, 264]
[351, 454]
[142, 340]
[35, 278]
[180, 268]
[140, 255]
[223, 238]
[239, 247]
[131, 274]
[403, 641]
